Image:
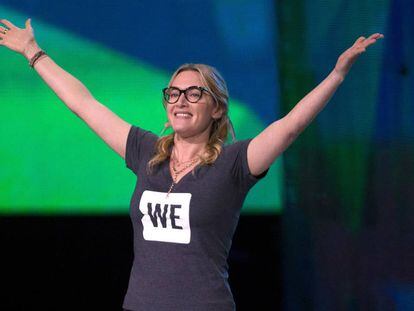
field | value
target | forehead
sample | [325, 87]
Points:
[187, 78]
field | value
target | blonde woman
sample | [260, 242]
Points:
[190, 186]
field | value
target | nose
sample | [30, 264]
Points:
[182, 101]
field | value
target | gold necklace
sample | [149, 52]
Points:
[177, 164]
[177, 171]
[174, 158]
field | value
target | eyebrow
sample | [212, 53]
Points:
[186, 87]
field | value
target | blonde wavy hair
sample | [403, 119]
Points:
[220, 128]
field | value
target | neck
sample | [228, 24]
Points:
[187, 148]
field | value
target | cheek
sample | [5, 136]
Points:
[168, 112]
[206, 110]
[203, 114]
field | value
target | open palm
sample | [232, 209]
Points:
[347, 58]
[15, 38]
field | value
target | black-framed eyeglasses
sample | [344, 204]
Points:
[193, 93]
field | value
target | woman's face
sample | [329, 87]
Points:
[191, 119]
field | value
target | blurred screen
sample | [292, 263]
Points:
[52, 163]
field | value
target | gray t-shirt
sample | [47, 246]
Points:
[182, 241]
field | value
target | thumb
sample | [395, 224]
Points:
[359, 40]
[29, 23]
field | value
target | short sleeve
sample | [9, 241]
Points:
[140, 144]
[240, 168]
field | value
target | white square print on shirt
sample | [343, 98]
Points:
[166, 218]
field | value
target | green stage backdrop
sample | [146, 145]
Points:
[51, 163]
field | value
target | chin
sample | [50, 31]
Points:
[187, 129]
[183, 132]
[183, 127]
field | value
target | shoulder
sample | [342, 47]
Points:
[140, 146]
[140, 138]
[234, 160]
[137, 133]
[239, 146]
[233, 152]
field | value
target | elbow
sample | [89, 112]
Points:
[293, 134]
[292, 128]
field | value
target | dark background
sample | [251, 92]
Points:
[80, 263]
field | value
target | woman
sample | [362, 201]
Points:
[191, 187]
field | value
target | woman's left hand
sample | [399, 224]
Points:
[347, 58]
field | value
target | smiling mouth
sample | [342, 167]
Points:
[183, 115]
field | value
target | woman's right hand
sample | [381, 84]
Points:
[20, 40]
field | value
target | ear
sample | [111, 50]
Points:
[217, 113]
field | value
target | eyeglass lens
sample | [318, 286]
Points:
[192, 94]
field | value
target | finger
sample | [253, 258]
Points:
[7, 23]
[368, 42]
[376, 36]
[359, 40]
[361, 50]
[3, 30]
[28, 23]
[372, 39]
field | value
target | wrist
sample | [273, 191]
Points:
[30, 50]
[337, 75]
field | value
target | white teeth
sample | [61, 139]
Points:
[182, 114]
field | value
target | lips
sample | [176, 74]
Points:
[182, 114]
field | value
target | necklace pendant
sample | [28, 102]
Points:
[171, 188]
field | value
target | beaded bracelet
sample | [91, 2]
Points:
[36, 57]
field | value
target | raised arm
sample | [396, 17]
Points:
[273, 140]
[112, 129]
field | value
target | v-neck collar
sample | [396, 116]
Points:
[167, 173]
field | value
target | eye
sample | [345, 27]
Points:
[173, 93]
[193, 94]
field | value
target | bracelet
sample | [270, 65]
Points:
[36, 57]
